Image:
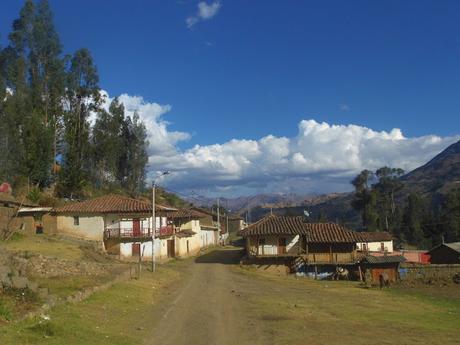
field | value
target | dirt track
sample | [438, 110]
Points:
[206, 307]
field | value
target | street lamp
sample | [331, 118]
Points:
[154, 225]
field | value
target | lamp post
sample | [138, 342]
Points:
[154, 225]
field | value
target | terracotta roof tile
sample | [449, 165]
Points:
[314, 232]
[186, 213]
[376, 236]
[111, 204]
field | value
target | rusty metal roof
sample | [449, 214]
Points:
[111, 204]
[314, 232]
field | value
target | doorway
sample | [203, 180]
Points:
[282, 245]
[136, 249]
[136, 227]
[171, 248]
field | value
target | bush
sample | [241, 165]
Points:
[5, 313]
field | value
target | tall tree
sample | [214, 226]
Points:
[137, 153]
[388, 184]
[47, 74]
[108, 143]
[33, 69]
[413, 219]
[364, 199]
[82, 98]
[450, 217]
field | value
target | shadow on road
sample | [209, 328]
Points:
[221, 256]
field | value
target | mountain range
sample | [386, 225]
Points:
[432, 180]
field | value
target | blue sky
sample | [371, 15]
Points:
[257, 68]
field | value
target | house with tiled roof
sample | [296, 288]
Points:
[376, 242]
[315, 243]
[124, 226]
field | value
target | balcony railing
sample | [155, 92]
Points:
[127, 233]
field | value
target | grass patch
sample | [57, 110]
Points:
[121, 315]
[5, 312]
[46, 245]
[65, 286]
[318, 312]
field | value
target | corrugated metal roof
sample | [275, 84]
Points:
[314, 232]
[111, 204]
[34, 209]
[453, 245]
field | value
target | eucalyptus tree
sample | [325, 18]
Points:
[82, 97]
[364, 199]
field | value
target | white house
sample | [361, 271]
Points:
[375, 241]
[124, 226]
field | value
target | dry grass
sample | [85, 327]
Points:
[45, 245]
[299, 311]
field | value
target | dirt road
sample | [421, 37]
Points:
[206, 307]
[218, 303]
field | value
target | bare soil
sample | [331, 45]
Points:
[218, 302]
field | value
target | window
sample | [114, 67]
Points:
[382, 246]
[76, 220]
[364, 246]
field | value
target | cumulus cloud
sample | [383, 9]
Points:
[162, 141]
[204, 12]
[321, 158]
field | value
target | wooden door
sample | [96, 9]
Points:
[136, 228]
[281, 245]
[171, 248]
[136, 249]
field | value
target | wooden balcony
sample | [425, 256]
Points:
[128, 234]
[137, 235]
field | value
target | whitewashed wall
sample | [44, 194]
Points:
[271, 244]
[91, 227]
[194, 242]
[208, 238]
[376, 246]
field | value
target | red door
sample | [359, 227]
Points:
[136, 228]
[136, 249]
[281, 246]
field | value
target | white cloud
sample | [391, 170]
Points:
[320, 158]
[204, 12]
[162, 142]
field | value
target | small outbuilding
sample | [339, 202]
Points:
[378, 265]
[445, 253]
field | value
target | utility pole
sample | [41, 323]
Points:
[218, 218]
[154, 226]
[226, 228]
[154, 220]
